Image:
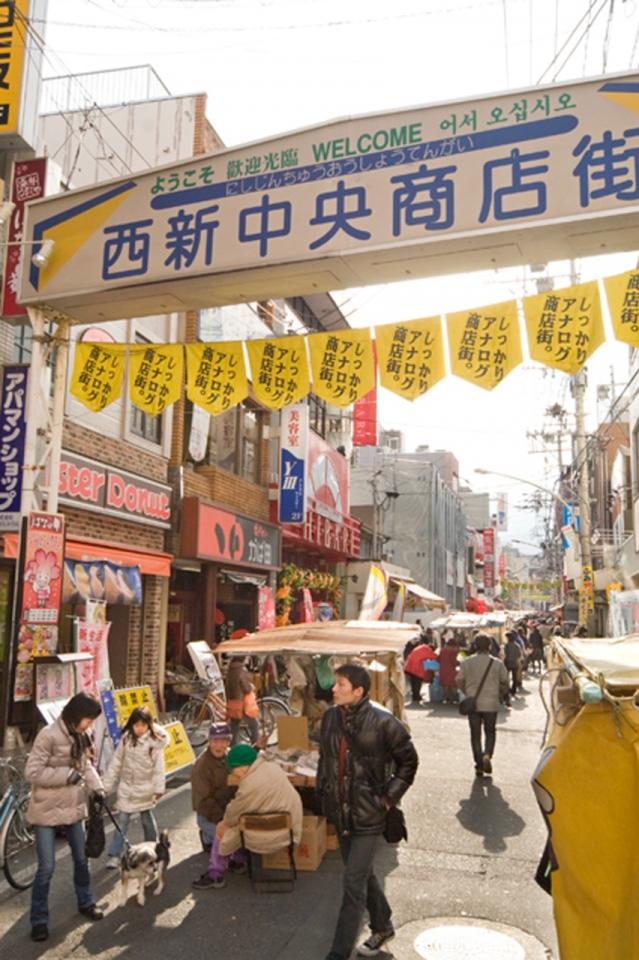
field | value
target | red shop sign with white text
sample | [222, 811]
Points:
[95, 486]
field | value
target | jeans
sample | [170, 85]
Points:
[149, 826]
[362, 891]
[45, 847]
[514, 673]
[489, 722]
[253, 728]
[218, 865]
[207, 828]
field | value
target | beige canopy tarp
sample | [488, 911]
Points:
[380, 642]
[616, 660]
[340, 637]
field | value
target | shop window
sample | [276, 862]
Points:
[141, 424]
[223, 441]
[235, 442]
[317, 415]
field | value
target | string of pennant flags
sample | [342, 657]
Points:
[564, 328]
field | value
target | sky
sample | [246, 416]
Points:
[270, 66]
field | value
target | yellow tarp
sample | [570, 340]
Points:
[589, 780]
[587, 784]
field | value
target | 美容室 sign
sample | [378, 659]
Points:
[357, 201]
[294, 436]
[95, 486]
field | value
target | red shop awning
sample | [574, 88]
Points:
[150, 562]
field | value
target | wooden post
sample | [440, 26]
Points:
[210, 602]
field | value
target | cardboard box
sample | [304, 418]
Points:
[292, 733]
[332, 843]
[310, 852]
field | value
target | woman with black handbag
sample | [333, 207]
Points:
[61, 773]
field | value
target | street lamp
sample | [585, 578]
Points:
[530, 483]
[527, 543]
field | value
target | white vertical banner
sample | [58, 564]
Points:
[293, 463]
[199, 435]
[376, 596]
[502, 512]
[400, 602]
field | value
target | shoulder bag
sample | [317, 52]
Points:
[469, 704]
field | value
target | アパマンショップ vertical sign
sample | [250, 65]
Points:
[13, 429]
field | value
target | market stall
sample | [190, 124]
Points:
[466, 625]
[310, 652]
[587, 786]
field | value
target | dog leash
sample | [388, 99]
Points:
[115, 823]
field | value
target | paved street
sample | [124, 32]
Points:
[472, 853]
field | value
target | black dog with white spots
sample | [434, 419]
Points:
[144, 863]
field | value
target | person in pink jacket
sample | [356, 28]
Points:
[415, 671]
[448, 666]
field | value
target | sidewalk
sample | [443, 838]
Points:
[473, 848]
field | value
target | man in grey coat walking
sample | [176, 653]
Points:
[482, 666]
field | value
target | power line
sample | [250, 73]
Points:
[317, 25]
[606, 41]
[79, 134]
[506, 42]
[43, 49]
[588, 28]
[569, 38]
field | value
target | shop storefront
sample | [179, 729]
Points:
[114, 554]
[223, 580]
[314, 552]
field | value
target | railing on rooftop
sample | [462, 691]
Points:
[78, 91]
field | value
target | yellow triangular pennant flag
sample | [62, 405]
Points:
[155, 376]
[215, 375]
[98, 372]
[279, 371]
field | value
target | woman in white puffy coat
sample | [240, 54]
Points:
[137, 768]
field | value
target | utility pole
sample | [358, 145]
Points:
[580, 382]
[376, 507]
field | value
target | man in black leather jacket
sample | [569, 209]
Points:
[367, 762]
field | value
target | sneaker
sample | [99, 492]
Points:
[113, 863]
[374, 944]
[237, 868]
[93, 912]
[207, 883]
[487, 765]
[40, 932]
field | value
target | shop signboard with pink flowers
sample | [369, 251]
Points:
[41, 586]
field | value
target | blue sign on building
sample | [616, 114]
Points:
[292, 488]
[13, 428]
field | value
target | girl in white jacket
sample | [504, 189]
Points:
[138, 769]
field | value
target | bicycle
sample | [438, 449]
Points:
[18, 855]
[201, 710]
